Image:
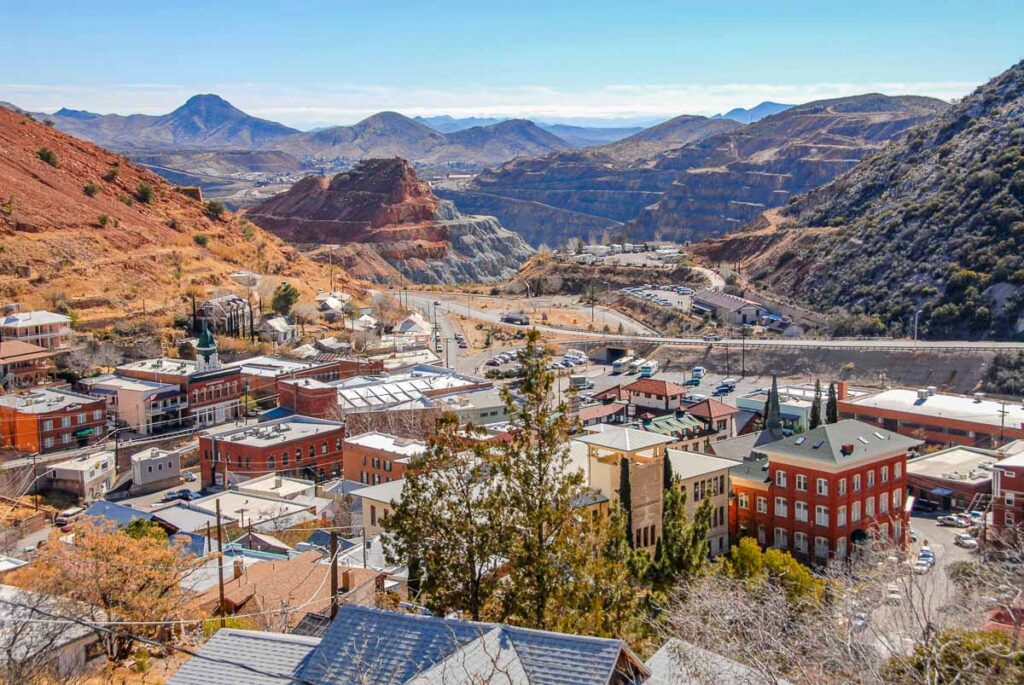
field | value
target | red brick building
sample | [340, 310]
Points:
[46, 420]
[210, 393]
[817, 493]
[373, 458]
[297, 446]
[1008, 496]
[262, 374]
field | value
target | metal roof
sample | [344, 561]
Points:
[691, 464]
[624, 439]
[229, 652]
[683, 663]
[844, 442]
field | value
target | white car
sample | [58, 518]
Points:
[922, 566]
[893, 595]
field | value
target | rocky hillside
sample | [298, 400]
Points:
[580, 193]
[389, 134]
[82, 226]
[725, 181]
[203, 122]
[934, 222]
[389, 226]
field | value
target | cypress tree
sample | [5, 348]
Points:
[666, 473]
[626, 499]
[832, 408]
[816, 407]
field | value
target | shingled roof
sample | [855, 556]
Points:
[842, 443]
[655, 387]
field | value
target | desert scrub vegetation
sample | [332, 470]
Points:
[91, 189]
[47, 155]
[201, 239]
[215, 209]
[145, 193]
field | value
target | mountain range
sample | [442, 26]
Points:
[577, 136]
[82, 226]
[691, 177]
[932, 223]
[749, 116]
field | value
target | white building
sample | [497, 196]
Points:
[140, 405]
[45, 329]
[155, 469]
[89, 476]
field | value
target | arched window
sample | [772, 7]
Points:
[271, 464]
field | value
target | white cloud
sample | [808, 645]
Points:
[325, 104]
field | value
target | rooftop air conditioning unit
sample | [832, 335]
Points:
[979, 396]
[847, 448]
[922, 393]
[932, 390]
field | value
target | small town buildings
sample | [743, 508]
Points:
[278, 330]
[47, 420]
[260, 375]
[228, 315]
[364, 324]
[373, 458]
[953, 478]
[938, 418]
[155, 469]
[145, 407]
[655, 394]
[643, 451]
[377, 503]
[294, 445]
[727, 308]
[1008, 498]
[263, 513]
[209, 392]
[479, 408]
[88, 477]
[817, 493]
[366, 645]
[703, 476]
[717, 416]
[689, 432]
[610, 412]
[414, 324]
[795, 407]
[24, 365]
[282, 487]
[68, 648]
[43, 329]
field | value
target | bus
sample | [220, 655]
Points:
[634, 366]
[621, 364]
[649, 369]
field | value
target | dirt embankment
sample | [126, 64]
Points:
[960, 372]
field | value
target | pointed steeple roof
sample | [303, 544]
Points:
[772, 410]
[206, 339]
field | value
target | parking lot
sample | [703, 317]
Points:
[680, 297]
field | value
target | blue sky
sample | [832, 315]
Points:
[315, 63]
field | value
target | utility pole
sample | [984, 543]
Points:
[334, 574]
[363, 535]
[917, 315]
[1002, 422]
[220, 565]
[743, 353]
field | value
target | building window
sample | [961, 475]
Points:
[869, 506]
[65, 422]
[1008, 499]
[780, 538]
[760, 534]
[284, 460]
[821, 548]
[800, 511]
[841, 548]
[883, 504]
[744, 500]
[884, 474]
[298, 454]
[855, 512]
[800, 542]
[48, 425]
[780, 478]
[822, 486]
[841, 517]
[897, 498]
[871, 478]
[323, 447]
[97, 415]
[762, 505]
[842, 486]
[856, 482]
[821, 515]
[373, 515]
[801, 482]
[897, 470]
[47, 443]
[271, 464]
[781, 507]
[1008, 518]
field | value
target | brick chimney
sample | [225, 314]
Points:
[842, 388]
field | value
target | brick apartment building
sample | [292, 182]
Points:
[817, 493]
[937, 418]
[294, 446]
[209, 393]
[261, 374]
[46, 420]
[1008, 497]
[373, 458]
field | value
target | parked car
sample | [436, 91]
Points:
[171, 497]
[925, 505]
[694, 398]
[859, 621]
[463, 344]
[189, 495]
[948, 521]
[492, 362]
[913, 535]
[965, 540]
[712, 337]
[893, 595]
[922, 567]
[190, 476]
[692, 382]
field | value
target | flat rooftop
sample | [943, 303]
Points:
[278, 486]
[961, 464]
[945, 406]
[247, 508]
[44, 401]
[379, 392]
[271, 367]
[166, 365]
[389, 443]
[122, 383]
[276, 432]
[85, 463]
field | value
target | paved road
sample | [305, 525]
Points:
[716, 280]
[459, 303]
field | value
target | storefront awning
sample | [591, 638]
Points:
[83, 432]
[942, 492]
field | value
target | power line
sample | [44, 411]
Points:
[154, 643]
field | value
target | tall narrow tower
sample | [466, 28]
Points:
[206, 351]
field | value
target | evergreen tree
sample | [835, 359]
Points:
[285, 297]
[666, 473]
[684, 544]
[626, 499]
[540, 486]
[816, 407]
[832, 408]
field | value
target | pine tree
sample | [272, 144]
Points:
[626, 499]
[832, 408]
[815, 420]
[666, 473]
[683, 544]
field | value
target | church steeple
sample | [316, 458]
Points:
[772, 410]
[206, 351]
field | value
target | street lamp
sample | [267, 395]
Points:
[917, 314]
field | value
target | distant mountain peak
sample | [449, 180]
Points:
[79, 114]
[754, 114]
